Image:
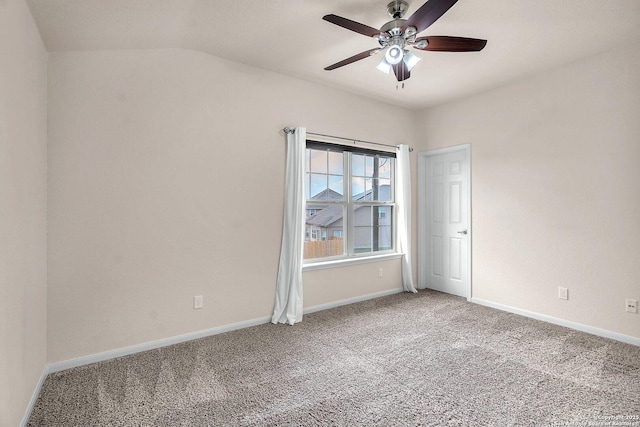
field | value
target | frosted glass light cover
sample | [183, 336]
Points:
[394, 55]
[384, 66]
[410, 60]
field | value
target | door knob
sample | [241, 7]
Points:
[462, 232]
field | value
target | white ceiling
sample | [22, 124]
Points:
[290, 37]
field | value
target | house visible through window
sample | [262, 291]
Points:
[350, 201]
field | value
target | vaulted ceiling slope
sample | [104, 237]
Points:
[290, 37]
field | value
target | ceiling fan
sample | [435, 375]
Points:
[398, 34]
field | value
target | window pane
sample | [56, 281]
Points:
[362, 229]
[324, 239]
[362, 240]
[336, 163]
[385, 242]
[318, 161]
[383, 223]
[320, 185]
[385, 167]
[318, 190]
[336, 185]
[357, 165]
[368, 193]
[384, 215]
[384, 190]
[376, 185]
[373, 228]
[362, 216]
[369, 166]
[307, 156]
[357, 188]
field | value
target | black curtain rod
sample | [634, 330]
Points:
[292, 130]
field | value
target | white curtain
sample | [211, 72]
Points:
[403, 201]
[288, 305]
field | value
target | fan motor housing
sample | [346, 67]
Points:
[394, 28]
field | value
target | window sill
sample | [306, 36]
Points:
[349, 261]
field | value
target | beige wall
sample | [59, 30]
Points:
[166, 180]
[23, 205]
[556, 187]
[342, 283]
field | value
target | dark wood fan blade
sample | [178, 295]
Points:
[351, 25]
[401, 71]
[429, 13]
[452, 44]
[354, 58]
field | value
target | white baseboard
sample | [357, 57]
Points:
[347, 301]
[125, 351]
[34, 396]
[561, 322]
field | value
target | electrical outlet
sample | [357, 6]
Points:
[380, 272]
[563, 293]
[632, 306]
[198, 302]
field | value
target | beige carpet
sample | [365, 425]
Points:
[426, 359]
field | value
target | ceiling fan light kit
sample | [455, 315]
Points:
[384, 66]
[394, 54]
[410, 59]
[398, 34]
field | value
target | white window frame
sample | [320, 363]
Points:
[349, 206]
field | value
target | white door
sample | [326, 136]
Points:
[444, 210]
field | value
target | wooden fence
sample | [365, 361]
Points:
[323, 248]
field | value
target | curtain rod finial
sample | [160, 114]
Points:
[289, 130]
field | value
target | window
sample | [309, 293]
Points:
[350, 201]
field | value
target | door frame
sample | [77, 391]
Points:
[423, 227]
